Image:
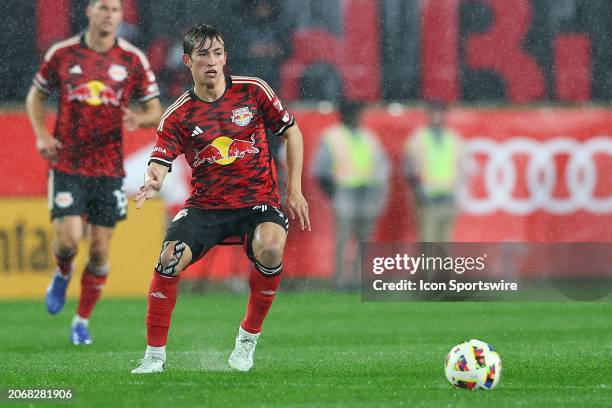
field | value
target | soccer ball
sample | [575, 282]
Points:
[473, 365]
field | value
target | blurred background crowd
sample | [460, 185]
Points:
[393, 41]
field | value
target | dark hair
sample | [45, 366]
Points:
[197, 36]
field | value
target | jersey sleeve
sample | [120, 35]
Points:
[146, 87]
[169, 143]
[47, 78]
[276, 117]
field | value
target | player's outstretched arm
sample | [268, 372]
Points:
[154, 179]
[46, 144]
[296, 203]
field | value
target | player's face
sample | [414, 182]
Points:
[207, 62]
[105, 16]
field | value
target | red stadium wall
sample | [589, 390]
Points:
[582, 209]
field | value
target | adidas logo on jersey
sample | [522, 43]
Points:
[197, 131]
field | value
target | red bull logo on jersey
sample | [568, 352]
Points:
[95, 93]
[225, 150]
[242, 116]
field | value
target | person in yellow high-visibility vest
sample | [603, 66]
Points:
[432, 167]
[352, 169]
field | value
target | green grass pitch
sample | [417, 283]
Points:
[317, 349]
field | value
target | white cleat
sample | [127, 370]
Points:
[150, 364]
[241, 358]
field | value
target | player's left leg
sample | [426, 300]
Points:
[67, 203]
[92, 282]
[267, 243]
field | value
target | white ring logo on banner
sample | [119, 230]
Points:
[500, 172]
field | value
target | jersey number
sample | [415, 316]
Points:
[122, 201]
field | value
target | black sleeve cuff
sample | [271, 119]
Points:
[284, 128]
[163, 162]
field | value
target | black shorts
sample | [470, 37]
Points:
[102, 200]
[202, 229]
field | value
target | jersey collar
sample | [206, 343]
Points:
[84, 43]
[228, 85]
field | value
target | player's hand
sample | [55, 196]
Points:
[47, 146]
[153, 183]
[298, 207]
[131, 122]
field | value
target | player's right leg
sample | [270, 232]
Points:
[66, 203]
[190, 235]
[175, 256]
[68, 232]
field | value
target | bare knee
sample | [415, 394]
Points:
[99, 248]
[65, 250]
[268, 244]
[69, 232]
[269, 252]
[98, 255]
[67, 244]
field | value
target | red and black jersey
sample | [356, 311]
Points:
[93, 88]
[225, 144]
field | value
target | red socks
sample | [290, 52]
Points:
[162, 298]
[91, 289]
[263, 290]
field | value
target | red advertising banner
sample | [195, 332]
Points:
[532, 175]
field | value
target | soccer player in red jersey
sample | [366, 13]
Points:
[220, 127]
[95, 75]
